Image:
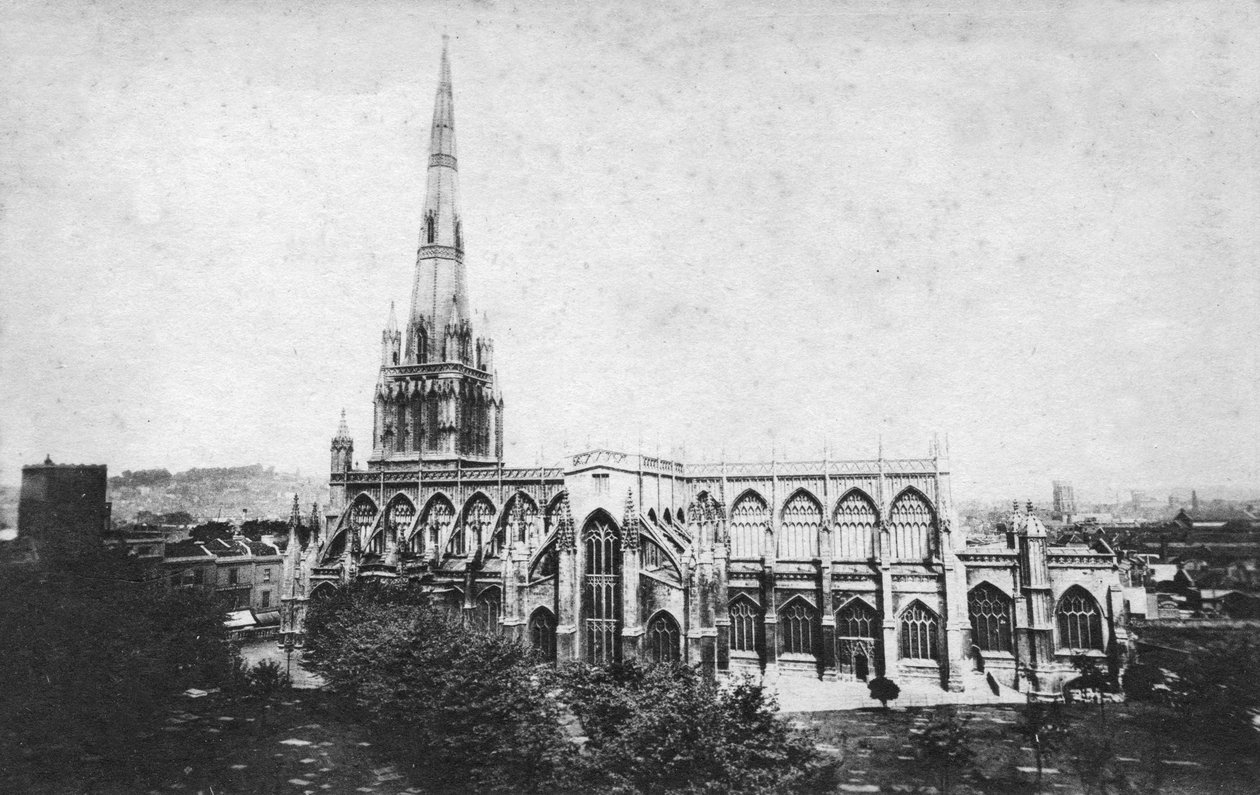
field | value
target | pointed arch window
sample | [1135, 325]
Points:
[920, 631]
[1080, 621]
[796, 628]
[430, 228]
[912, 526]
[542, 633]
[437, 519]
[601, 591]
[662, 639]
[486, 614]
[855, 527]
[856, 619]
[459, 235]
[990, 611]
[744, 621]
[398, 518]
[750, 521]
[798, 533]
[362, 516]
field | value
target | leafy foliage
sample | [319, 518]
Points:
[883, 690]
[94, 655]
[1044, 727]
[1220, 694]
[466, 708]
[477, 712]
[669, 729]
[945, 747]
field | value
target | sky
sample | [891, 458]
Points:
[706, 230]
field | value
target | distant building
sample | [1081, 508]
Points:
[63, 508]
[1064, 501]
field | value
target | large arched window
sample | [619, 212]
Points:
[436, 521]
[601, 590]
[478, 516]
[796, 627]
[662, 639]
[920, 630]
[798, 533]
[855, 527]
[398, 518]
[542, 633]
[990, 611]
[486, 614]
[362, 515]
[744, 620]
[857, 619]
[911, 525]
[1080, 621]
[750, 521]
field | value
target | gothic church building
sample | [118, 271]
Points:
[829, 569]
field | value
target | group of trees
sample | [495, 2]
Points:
[478, 712]
[94, 654]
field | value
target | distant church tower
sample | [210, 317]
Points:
[436, 399]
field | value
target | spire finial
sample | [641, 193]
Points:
[343, 430]
[392, 325]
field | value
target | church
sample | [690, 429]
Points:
[834, 570]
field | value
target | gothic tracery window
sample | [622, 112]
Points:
[796, 628]
[362, 516]
[437, 519]
[744, 619]
[855, 527]
[798, 533]
[911, 527]
[750, 521]
[662, 639]
[542, 633]
[398, 518]
[990, 611]
[920, 629]
[486, 614]
[472, 531]
[857, 619]
[1080, 621]
[601, 595]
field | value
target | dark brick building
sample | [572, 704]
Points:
[63, 508]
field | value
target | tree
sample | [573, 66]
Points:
[457, 705]
[668, 728]
[1043, 727]
[945, 747]
[95, 654]
[1219, 693]
[883, 690]
[1140, 681]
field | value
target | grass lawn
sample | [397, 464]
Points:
[1151, 752]
[215, 746]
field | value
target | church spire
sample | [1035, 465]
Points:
[439, 298]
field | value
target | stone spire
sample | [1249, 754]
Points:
[343, 430]
[439, 304]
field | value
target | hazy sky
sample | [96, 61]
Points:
[727, 227]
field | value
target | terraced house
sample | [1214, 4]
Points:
[828, 569]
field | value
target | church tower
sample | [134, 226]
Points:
[436, 399]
